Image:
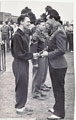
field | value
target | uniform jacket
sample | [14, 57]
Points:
[5, 30]
[40, 38]
[57, 49]
[20, 46]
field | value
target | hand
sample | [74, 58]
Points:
[36, 55]
[45, 53]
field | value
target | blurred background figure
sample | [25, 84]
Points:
[43, 16]
[5, 35]
[69, 33]
[11, 31]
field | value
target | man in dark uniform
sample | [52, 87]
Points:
[21, 54]
[57, 64]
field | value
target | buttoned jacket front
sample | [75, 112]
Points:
[57, 49]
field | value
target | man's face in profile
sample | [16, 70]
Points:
[26, 22]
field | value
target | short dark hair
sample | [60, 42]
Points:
[48, 8]
[43, 16]
[54, 14]
[21, 18]
[32, 17]
[25, 10]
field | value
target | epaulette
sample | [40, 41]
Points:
[55, 32]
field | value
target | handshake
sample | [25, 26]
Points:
[41, 54]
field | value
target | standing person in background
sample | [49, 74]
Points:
[69, 33]
[39, 43]
[21, 54]
[72, 49]
[5, 35]
[44, 87]
[57, 64]
[11, 31]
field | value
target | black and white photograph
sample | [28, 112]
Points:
[37, 65]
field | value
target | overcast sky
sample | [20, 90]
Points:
[38, 7]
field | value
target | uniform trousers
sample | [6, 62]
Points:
[6, 40]
[21, 73]
[57, 79]
[69, 41]
[39, 73]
